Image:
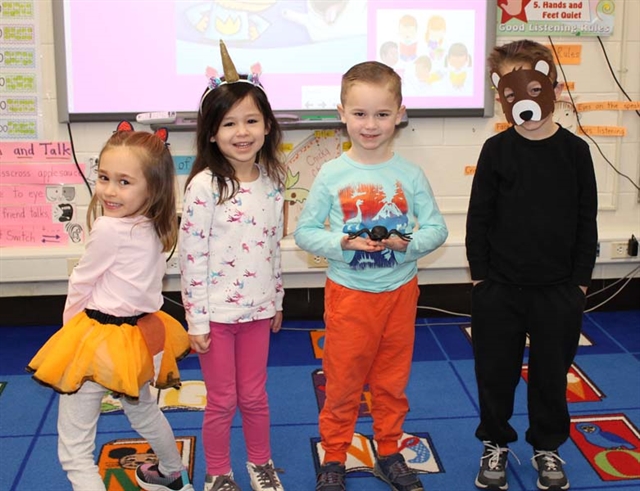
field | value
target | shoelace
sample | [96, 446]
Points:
[550, 459]
[226, 484]
[331, 478]
[267, 477]
[494, 455]
[399, 469]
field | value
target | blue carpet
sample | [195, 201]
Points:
[440, 424]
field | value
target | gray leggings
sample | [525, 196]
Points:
[77, 424]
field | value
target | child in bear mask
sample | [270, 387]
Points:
[531, 245]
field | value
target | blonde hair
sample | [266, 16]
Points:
[435, 23]
[372, 72]
[159, 173]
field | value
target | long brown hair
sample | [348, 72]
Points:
[215, 105]
[159, 172]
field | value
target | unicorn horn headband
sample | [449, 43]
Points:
[230, 74]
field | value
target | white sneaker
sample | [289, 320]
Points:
[264, 477]
[223, 482]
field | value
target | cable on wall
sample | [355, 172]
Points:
[626, 278]
[613, 74]
[621, 174]
[75, 159]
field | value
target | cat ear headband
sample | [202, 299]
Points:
[230, 74]
[162, 133]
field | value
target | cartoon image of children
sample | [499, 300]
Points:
[389, 53]
[408, 38]
[458, 62]
[436, 30]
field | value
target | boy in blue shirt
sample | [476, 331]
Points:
[382, 218]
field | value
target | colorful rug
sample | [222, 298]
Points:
[603, 452]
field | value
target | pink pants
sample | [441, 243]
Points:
[369, 338]
[235, 375]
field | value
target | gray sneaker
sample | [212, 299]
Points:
[550, 472]
[393, 470]
[264, 477]
[493, 467]
[223, 482]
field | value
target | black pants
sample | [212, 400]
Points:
[501, 317]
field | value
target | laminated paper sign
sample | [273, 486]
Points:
[303, 164]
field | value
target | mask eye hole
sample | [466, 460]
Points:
[509, 95]
[534, 89]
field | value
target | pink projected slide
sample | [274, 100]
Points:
[130, 57]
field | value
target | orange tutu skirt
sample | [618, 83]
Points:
[121, 358]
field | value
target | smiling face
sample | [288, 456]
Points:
[241, 133]
[121, 186]
[371, 113]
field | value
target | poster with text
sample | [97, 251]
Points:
[526, 18]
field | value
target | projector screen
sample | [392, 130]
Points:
[115, 59]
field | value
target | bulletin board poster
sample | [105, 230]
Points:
[38, 187]
[303, 161]
[526, 18]
[19, 71]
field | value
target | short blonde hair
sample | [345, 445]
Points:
[372, 72]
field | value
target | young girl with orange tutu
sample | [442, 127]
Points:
[114, 336]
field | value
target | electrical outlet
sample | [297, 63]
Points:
[315, 261]
[173, 266]
[71, 263]
[619, 250]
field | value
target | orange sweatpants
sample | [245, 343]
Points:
[369, 339]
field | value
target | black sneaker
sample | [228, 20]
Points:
[331, 477]
[493, 467]
[150, 478]
[396, 473]
[550, 472]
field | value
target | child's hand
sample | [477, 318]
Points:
[199, 342]
[276, 321]
[395, 243]
[361, 244]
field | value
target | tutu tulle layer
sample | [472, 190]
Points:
[121, 358]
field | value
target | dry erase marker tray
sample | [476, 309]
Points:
[288, 121]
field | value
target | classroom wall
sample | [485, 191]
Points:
[446, 148]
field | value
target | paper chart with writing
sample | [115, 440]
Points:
[38, 186]
[304, 161]
[19, 80]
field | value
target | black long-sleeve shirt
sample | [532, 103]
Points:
[532, 212]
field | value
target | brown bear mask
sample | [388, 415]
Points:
[525, 106]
